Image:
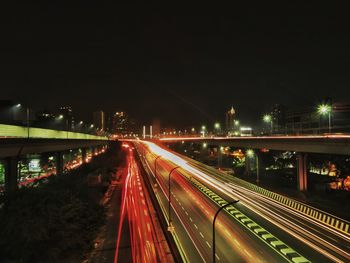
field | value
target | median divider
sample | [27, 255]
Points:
[272, 241]
[330, 220]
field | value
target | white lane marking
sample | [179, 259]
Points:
[201, 234]
[208, 244]
[191, 219]
[195, 226]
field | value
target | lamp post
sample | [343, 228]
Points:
[61, 117]
[326, 109]
[170, 226]
[203, 129]
[19, 105]
[214, 220]
[268, 119]
[217, 127]
[250, 153]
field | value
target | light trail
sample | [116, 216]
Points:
[287, 137]
[280, 215]
[145, 246]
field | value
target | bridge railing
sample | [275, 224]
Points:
[13, 131]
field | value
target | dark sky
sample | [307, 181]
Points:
[183, 64]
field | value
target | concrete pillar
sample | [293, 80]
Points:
[259, 165]
[11, 174]
[219, 156]
[59, 163]
[301, 159]
[83, 155]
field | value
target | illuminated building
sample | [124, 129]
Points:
[232, 125]
[278, 118]
[99, 120]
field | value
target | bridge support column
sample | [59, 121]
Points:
[59, 163]
[259, 166]
[219, 156]
[83, 155]
[301, 159]
[11, 175]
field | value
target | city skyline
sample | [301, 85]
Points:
[182, 69]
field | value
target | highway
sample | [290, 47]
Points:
[257, 229]
[137, 209]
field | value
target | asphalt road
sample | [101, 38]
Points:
[192, 214]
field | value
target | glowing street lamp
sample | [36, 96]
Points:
[268, 119]
[250, 153]
[323, 110]
[217, 127]
[203, 129]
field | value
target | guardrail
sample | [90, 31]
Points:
[330, 220]
[13, 131]
[272, 241]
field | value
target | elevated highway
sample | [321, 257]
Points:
[16, 141]
[301, 145]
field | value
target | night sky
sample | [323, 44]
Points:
[182, 64]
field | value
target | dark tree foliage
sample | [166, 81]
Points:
[49, 223]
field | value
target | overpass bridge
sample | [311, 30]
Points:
[302, 145]
[17, 140]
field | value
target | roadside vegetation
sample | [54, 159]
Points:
[58, 220]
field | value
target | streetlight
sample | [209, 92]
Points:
[326, 109]
[19, 105]
[250, 153]
[215, 216]
[61, 117]
[268, 119]
[217, 127]
[171, 228]
[203, 130]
